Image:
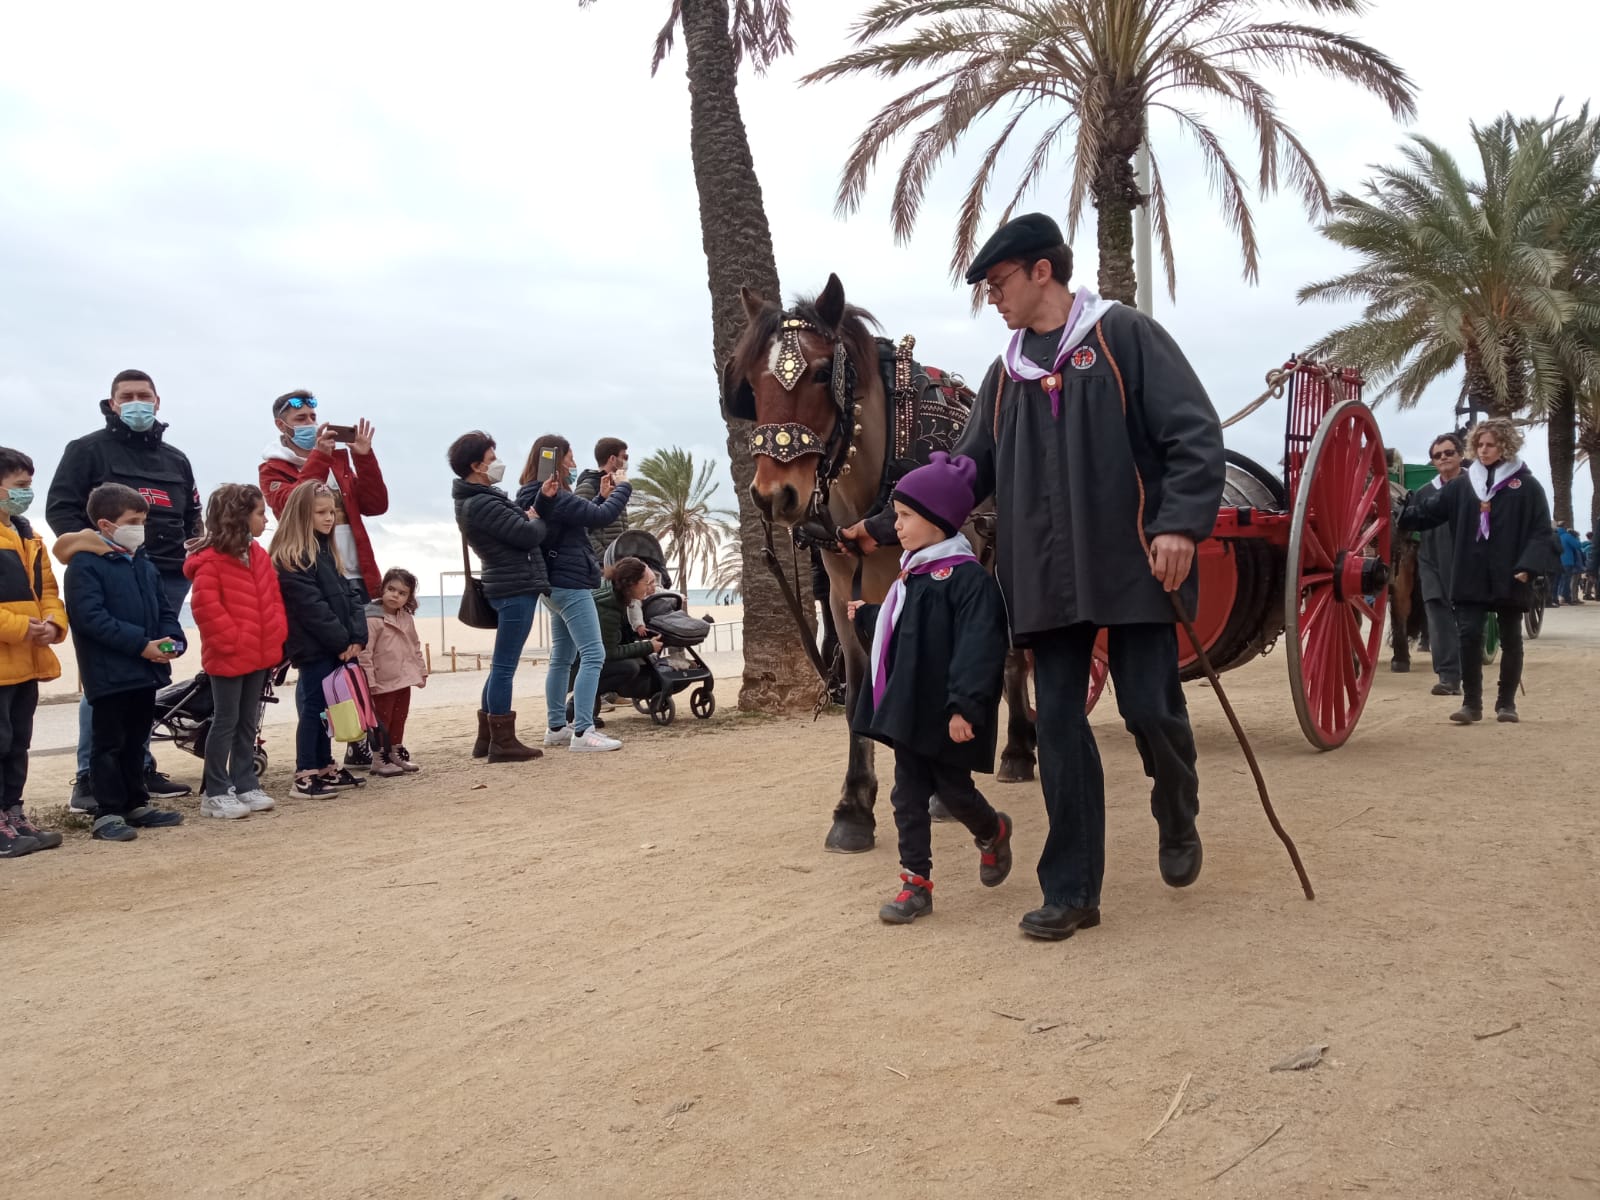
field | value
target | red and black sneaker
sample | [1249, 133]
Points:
[994, 856]
[47, 839]
[915, 900]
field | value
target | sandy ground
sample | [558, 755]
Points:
[641, 976]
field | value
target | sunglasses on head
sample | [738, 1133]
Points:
[298, 403]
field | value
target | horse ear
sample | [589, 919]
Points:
[754, 302]
[830, 304]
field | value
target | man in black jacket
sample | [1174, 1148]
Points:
[130, 450]
[1104, 457]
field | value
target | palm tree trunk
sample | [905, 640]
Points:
[1480, 392]
[1562, 430]
[738, 247]
[1116, 195]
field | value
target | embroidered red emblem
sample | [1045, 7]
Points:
[942, 573]
[1515, 483]
[1083, 358]
[156, 498]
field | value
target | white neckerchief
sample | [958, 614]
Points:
[1479, 475]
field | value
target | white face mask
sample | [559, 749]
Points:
[496, 471]
[129, 537]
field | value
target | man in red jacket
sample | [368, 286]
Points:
[306, 450]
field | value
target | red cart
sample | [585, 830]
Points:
[1308, 556]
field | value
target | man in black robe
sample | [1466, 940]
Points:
[1104, 456]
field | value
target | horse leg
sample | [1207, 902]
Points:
[853, 822]
[1400, 611]
[1017, 759]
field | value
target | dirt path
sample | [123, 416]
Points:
[642, 977]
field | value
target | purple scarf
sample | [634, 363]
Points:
[950, 553]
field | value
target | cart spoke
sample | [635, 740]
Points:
[1364, 506]
[1365, 609]
[1312, 548]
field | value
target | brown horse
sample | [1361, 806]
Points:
[1407, 613]
[809, 378]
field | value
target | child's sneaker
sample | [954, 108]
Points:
[82, 796]
[13, 843]
[994, 856]
[145, 817]
[915, 900]
[341, 779]
[592, 741]
[403, 756]
[314, 788]
[257, 801]
[26, 828]
[228, 808]
[559, 737]
[113, 829]
[385, 767]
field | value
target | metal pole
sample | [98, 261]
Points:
[1142, 278]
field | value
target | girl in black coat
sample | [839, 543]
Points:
[934, 679]
[326, 627]
[1500, 523]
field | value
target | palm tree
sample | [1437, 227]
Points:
[1095, 70]
[738, 249]
[1454, 273]
[672, 500]
[727, 575]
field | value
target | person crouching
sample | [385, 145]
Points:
[934, 679]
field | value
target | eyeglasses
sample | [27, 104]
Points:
[1447, 452]
[991, 291]
[298, 402]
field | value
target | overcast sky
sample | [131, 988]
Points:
[488, 219]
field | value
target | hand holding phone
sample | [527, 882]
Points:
[547, 464]
[342, 433]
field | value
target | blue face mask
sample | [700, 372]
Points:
[138, 415]
[572, 478]
[17, 501]
[304, 436]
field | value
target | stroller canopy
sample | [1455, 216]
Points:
[636, 543]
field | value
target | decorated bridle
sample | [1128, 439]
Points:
[789, 441]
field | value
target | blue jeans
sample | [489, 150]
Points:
[511, 635]
[313, 749]
[177, 589]
[574, 633]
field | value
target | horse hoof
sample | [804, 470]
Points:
[1014, 770]
[849, 837]
[1399, 667]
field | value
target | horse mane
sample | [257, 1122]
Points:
[856, 330]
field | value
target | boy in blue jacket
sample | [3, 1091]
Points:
[125, 633]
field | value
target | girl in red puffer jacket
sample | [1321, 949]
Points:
[239, 610]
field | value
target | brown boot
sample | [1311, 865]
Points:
[503, 744]
[481, 746]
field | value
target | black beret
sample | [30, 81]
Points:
[1027, 234]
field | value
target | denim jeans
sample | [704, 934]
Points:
[313, 749]
[574, 633]
[177, 589]
[511, 635]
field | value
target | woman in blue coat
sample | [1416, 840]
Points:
[574, 574]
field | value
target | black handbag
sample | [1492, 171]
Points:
[476, 611]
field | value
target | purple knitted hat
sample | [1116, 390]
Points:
[942, 491]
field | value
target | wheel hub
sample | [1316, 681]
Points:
[1358, 575]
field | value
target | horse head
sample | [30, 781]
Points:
[805, 376]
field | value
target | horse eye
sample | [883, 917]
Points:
[823, 376]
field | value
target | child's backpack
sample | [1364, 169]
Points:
[350, 714]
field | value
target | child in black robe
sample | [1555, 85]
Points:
[934, 679]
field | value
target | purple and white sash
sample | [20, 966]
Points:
[950, 553]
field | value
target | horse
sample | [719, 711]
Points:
[1408, 617]
[810, 377]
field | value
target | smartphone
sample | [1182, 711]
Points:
[547, 464]
[343, 433]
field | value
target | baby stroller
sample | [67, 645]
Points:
[666, 615]
[184, 711]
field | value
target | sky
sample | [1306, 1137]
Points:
[487, 219]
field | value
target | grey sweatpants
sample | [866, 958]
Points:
[231, 744]
[1443, 642]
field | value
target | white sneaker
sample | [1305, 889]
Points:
[256, 800]
[593, 741]
[229, 808]
[558, 737]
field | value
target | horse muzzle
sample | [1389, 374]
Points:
[785, 443]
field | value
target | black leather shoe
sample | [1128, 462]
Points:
[1055, 922]
[1180, 864]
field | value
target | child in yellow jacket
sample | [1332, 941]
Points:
[32, 619]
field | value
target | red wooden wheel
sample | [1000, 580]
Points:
[1337, 579]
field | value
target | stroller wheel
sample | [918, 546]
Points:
[261, 761]
[642, 707]
[702, 703]
[663, 710]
